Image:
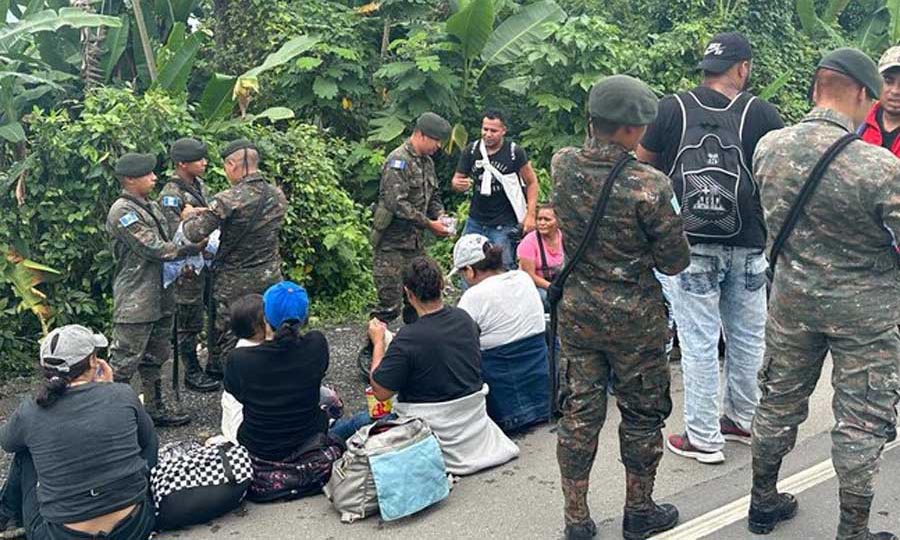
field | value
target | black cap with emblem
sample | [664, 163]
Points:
[724, 51]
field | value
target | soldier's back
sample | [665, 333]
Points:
[252, 212]
[613, 289]
[839, 269]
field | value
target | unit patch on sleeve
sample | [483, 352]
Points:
[128, 219]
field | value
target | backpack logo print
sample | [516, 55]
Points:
[712, 159]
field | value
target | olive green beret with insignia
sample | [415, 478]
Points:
[857, 65]
[187, 149]
[432, 125]
[623, 100]
[135, 165]
[237, 144]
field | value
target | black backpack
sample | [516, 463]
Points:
[709, 174]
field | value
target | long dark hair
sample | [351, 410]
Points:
[57, 382]
[493, 259]
[289, 331]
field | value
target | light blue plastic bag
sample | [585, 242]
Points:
[410, 479]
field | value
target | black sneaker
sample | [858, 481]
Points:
[644, 524]
[763, 518]
[199, 381]
[581, 531]
[166, 417]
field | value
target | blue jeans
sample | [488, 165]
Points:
[344, 428]
[499, 235]
[722, 289]
[667, 286]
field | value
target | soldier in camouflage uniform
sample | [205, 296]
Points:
[249, 214]
[187, 188]
[613, 324]
[409, 202]
[836, 289]
[142, 313]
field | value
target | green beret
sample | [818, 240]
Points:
[135, 165]
[857, 65]
[432, 125]
[187, 149]
[235, 145]
[623, 100]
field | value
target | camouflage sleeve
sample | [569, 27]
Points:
[201, 225]
[663, 226]
[395, 196]
[435, 204]
[141, 237]
[889, 204]
[171, 202]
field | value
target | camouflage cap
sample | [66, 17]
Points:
[890, 59]
[434, 126]
[135, 165]
[857, 65]
[624, 100]
[235, 145]
[187, 149]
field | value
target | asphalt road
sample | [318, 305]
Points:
[522, 499]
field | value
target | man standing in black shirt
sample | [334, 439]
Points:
[500, 172]
[704, 140]
[883, 123]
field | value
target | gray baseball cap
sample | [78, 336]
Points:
[469, 250]
[67, 345]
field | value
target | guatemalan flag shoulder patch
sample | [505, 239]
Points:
[128, 219]
[398, 164]
[171, 201]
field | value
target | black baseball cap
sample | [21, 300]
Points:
[724, 51]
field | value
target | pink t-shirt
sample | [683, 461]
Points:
[529, 249]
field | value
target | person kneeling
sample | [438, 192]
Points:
[83, 449]
[508, 310]
[434, 365]
[277, 383]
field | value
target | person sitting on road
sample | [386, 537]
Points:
[248, 323]
[507, 308]
[541, 252]
[434, 367]
[83, 446]
[277, 382]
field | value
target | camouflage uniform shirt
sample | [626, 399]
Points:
[140, 244]
[613, 295]
[409, 190]
[232, 211]
[175, 195]
[838, 271]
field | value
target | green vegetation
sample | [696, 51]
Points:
[327, 87]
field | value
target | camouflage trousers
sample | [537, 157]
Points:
[228, 287]
[387, 270]
[190, 324]
[640, 380]
[866, 382]
[140, 347]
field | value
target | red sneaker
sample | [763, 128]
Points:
[681, 445]
[733, 432]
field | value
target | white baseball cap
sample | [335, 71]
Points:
[469, 250]
[68, 345]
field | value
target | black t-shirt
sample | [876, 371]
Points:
[493, 209]
[437, 358]
[887, 137]
[278, 382]
[663, 137]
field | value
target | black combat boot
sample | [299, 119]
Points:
[194, 377]
[767, 506]
[581, 531]
[161, 414]
[854, 523]
[214, 369]
[644, 518]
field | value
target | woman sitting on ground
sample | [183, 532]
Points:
[434, 367]
[277, 383]
[83, 448]
[507, 308]
[541, 253]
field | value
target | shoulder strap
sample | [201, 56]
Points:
[162, 230]
[544, 269]
[257, 212]
[197, 193]
[803, 197]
